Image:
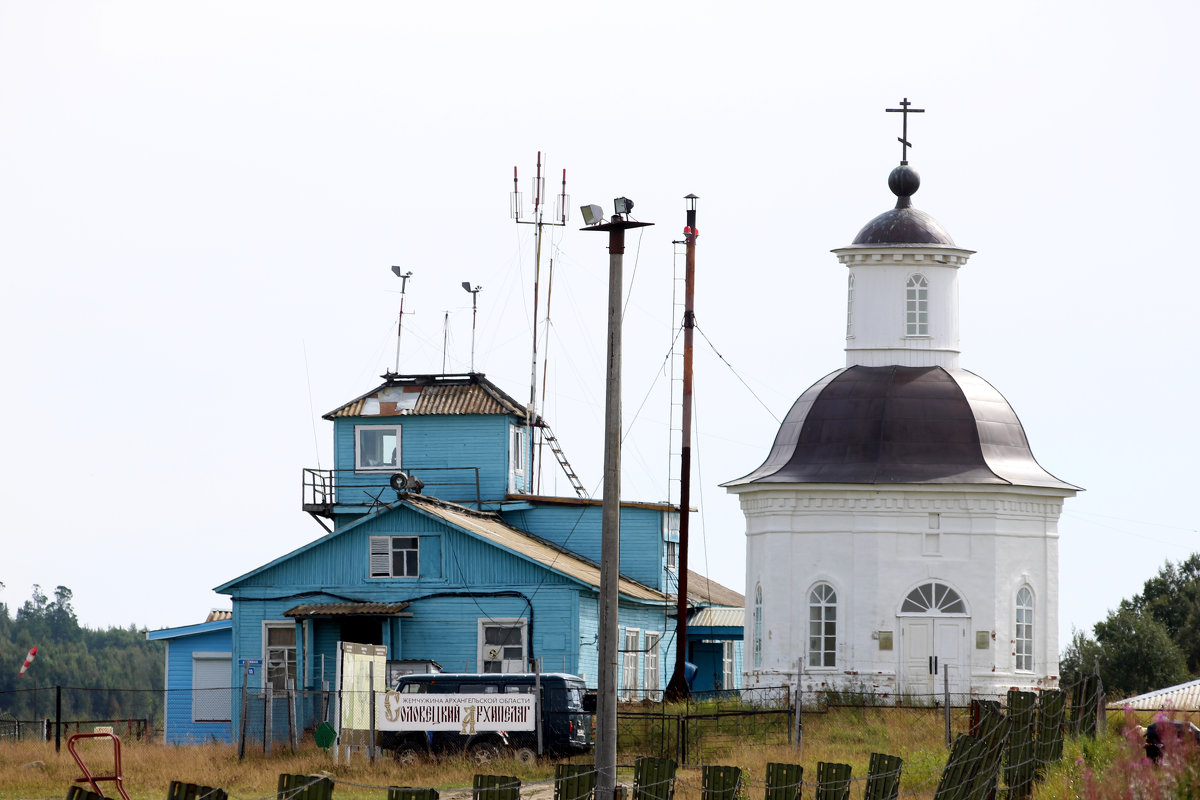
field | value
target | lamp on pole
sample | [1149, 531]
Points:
[403, 276]
[474, 308]
[610, 520]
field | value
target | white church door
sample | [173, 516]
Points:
[933, 642]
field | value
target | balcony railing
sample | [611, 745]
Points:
[326, 491]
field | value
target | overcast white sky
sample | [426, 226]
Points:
[200, 203]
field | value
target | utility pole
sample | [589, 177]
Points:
[610, 520]
[677, 688]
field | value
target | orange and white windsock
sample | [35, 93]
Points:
[28, 661]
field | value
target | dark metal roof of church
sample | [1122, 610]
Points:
[903, 226]
[902, 425]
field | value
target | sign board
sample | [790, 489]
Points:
[362, 671]
[462, 713]
[254, 662]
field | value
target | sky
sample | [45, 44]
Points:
[200, 204]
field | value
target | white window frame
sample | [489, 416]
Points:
[1023, 632]
[630, 645]
[850, 307]
[916, 306]
[822, 626]
[672, 556]
[381, 556]
[728, 654]
[934, 597]
[289, 658]
[651, 670]
[212, 691]
[758, 626]
[360, 464]
[483, 652]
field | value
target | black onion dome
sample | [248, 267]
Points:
[902, 425]
[903, 225]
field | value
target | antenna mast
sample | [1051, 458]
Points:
[474, 310]
[403, 276]
[538, 221]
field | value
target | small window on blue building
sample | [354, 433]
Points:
[395, 557]
[376, 447]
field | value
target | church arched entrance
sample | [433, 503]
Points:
[933, 621]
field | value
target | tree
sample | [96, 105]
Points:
[1136, 653]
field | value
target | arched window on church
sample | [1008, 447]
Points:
[850, 307]
[1024, 638]
[916, 306]
[822, 626]
[933, 598]
[757, 627]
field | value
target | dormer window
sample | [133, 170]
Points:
[916, 306]
[376, 447]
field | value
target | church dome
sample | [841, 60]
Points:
[902, 425]
[903, 225]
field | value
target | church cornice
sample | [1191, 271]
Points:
[768, 503]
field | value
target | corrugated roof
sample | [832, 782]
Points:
[701, 589]
[218, 614]
[346, 610]
[718, 618]
[415, 395]
[490, 527]
[1184, 697]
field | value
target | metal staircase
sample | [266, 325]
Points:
[551, 441]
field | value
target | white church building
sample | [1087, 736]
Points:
[900, 533]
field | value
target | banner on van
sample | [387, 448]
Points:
[467, 714]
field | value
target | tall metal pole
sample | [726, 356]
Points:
[610, 521]
[677, 689]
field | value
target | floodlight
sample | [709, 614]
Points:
[466, 285]
[399, 272]
[592, 215]
[623, 205]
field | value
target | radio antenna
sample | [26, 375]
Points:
[559, 219]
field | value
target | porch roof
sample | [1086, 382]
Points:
[311, 610]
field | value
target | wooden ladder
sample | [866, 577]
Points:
[552, 442]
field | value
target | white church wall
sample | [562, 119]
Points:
[873, 546]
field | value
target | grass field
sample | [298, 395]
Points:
[33, 771]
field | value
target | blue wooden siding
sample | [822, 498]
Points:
[449, 447]
[643, 554]
[180, 728]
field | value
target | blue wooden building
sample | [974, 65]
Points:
[199, 700]
[435, 547]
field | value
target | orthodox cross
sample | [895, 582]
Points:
[903, 139]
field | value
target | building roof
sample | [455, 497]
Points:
[1183, 697]
[718, 618]
[902, 425]
[415, 395]
[903, 225]
[191, 630]
[355, 609]
[704, 590]
[491, 527]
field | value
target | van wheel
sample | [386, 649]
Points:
[482, 753]
[408, 755]
[525, 755]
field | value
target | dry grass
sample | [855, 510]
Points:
[846, 735]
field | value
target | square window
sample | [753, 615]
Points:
[395, 557]
[376, 447]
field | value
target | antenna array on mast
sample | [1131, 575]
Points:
[561, 211]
